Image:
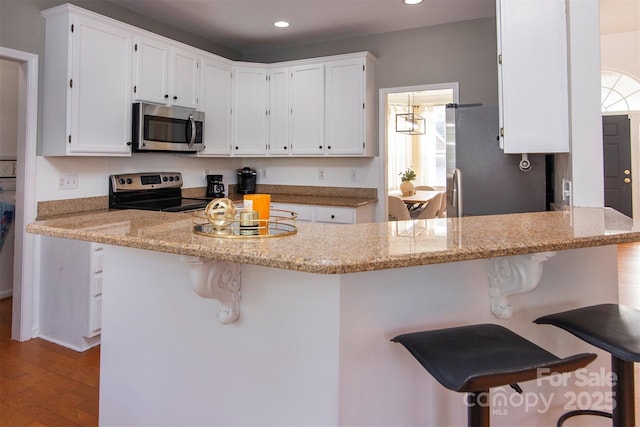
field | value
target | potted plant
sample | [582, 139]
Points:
[406, 186]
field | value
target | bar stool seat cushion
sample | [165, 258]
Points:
[611, 327]
[479, 357]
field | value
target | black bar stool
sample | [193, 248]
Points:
[475, 358]
[616, 329]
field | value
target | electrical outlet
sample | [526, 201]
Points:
[264, 173]
[354, 176]
[68, 182]
[321, 174]
[567, 191]
[7, 168]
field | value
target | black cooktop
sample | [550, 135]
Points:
[166, 205]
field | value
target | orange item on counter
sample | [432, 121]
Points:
[261, 204]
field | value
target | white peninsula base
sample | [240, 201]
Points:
[314, 350]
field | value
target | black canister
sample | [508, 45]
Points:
[246, 181]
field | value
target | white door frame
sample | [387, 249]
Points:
[25, 264]
[382, 213]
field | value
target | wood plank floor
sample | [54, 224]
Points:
[43, 384]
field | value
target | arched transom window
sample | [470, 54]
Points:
[620, 92]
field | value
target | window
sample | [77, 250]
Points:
[619, 92]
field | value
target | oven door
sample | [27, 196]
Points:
[161, 128]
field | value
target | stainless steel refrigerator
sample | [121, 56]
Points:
[481, 179]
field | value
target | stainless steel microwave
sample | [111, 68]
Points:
[162, 128]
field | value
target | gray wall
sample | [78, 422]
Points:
[463, 52]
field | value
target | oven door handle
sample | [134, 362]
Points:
[191, 136]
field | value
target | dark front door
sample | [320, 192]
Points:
[617, 163]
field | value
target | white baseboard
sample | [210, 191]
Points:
[87, 344]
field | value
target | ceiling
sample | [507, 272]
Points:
[619, 16]
[246, 25]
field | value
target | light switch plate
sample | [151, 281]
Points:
[7, 168]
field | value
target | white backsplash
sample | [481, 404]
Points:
[93, 172]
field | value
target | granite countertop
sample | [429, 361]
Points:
[334, 249]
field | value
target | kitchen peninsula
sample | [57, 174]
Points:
[303, 334]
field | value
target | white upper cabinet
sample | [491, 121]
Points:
[532, 56]
[164, 73]
[307, 109]
[185, 77]
[215, 86]
[96, 67]
[347, 106]
[87, 85]
[279, 111]
[249, 112]
[151, 70]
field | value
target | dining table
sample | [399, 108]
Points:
[421, 197]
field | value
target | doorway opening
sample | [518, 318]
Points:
[620, 106]
[24, 267]
[421, 148]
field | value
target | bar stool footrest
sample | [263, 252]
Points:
[577, 412]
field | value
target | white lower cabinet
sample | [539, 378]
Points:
[335, 215]
[71, 292]
[329, 214]
[305, 212]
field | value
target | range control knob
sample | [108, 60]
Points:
[170, 179]
[121, 181]
[177, 177]
[165, 179]
[129, 181]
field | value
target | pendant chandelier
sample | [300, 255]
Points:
[410, 123]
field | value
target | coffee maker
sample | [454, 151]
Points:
[215, 187]
[246, 181]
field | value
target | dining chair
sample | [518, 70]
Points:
[398, 210]
[424, 188]
[432, 208]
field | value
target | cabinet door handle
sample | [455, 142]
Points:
[166, 97]
[333, 216]
[328, 147]
[175, 97]
[320, 147]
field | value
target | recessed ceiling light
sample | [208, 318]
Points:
[281, 24]
[412, 1]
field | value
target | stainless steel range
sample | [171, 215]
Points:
[155, 191]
